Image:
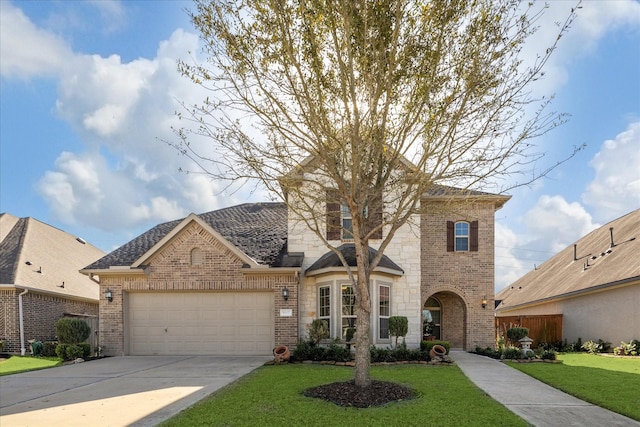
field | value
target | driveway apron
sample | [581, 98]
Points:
[116, 391]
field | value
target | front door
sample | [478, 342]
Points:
[431, 319]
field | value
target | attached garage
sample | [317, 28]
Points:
[200, 323]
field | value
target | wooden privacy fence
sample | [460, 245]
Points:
[542, 328]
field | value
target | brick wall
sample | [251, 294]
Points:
[170, 270]
[40, 311]
[460, 280]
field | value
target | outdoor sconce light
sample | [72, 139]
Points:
[484, 302]
[285, 293]
[109, 295]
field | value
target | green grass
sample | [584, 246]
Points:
[272, 395]
[17, 364]
[612, 383]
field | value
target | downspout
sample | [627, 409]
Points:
[22, 349]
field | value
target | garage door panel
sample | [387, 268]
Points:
[201, 323]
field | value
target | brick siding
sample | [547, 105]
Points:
[41, 312]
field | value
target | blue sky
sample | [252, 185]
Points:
[89, 88]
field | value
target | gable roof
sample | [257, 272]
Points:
[259, 230]
[37, 256]
[330, 261]
[592, 264]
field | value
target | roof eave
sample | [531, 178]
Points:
[572, 294]
[341, 269]
[52, 293]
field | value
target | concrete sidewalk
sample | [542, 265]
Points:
[536, 402]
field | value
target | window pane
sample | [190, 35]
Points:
[384, 328]
[384, 310]
[384, 301]
[325, 302]
[462, 243]
[348, 301]
[462, 229]
[348, 309]
[347, 229]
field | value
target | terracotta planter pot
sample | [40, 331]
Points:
[281, 353]
[437, 351]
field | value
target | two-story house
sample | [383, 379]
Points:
[244, 279]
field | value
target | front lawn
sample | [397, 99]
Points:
[272, 395]
[609, 382]
[17, 364]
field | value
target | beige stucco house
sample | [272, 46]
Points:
[594, 284]
[244, 279]
[40, 281]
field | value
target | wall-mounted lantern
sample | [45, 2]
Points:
[484, 302]
[109, 295]
[285, 293]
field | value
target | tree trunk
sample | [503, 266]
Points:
[362, 354]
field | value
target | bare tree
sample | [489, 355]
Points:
[350, 98]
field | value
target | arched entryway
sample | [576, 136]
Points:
[444, 317]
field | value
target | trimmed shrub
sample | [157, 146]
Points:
[516, 334]
[489, 352]
[398, 327]
[318, 330]
[72, 330]
[86, 349]
[337, 353]
[548, 355]
[49, 349]
[74, 351]
[512, 353]
[61, 351]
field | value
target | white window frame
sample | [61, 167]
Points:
[350, 318]
[346, 217]
[462, 237]
[380, 316]
[325, 314]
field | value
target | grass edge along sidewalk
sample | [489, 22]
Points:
[608, 382]
[272, 395]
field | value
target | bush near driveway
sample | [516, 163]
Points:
[272, 395]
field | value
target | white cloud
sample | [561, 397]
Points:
[27, 51]
[594, 20]
[615, 190]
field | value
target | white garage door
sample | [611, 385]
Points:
[210, 323]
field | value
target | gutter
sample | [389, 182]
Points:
[22, 349]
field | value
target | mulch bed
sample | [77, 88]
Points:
[348, 394]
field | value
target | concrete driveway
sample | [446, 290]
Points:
[116, 391]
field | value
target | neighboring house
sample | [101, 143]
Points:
[244, 279]
[594, 284]
[40, 281]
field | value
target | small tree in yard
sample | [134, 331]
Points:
[398, 327]
[350, 98]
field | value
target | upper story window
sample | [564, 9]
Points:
[347, 223]
[339, 219]
[462, 236]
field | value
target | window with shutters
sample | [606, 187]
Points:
[462, 236]
[339, 219]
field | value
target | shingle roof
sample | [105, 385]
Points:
[38, 256]
[598, 265]
[348, 250]
[257, 229]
